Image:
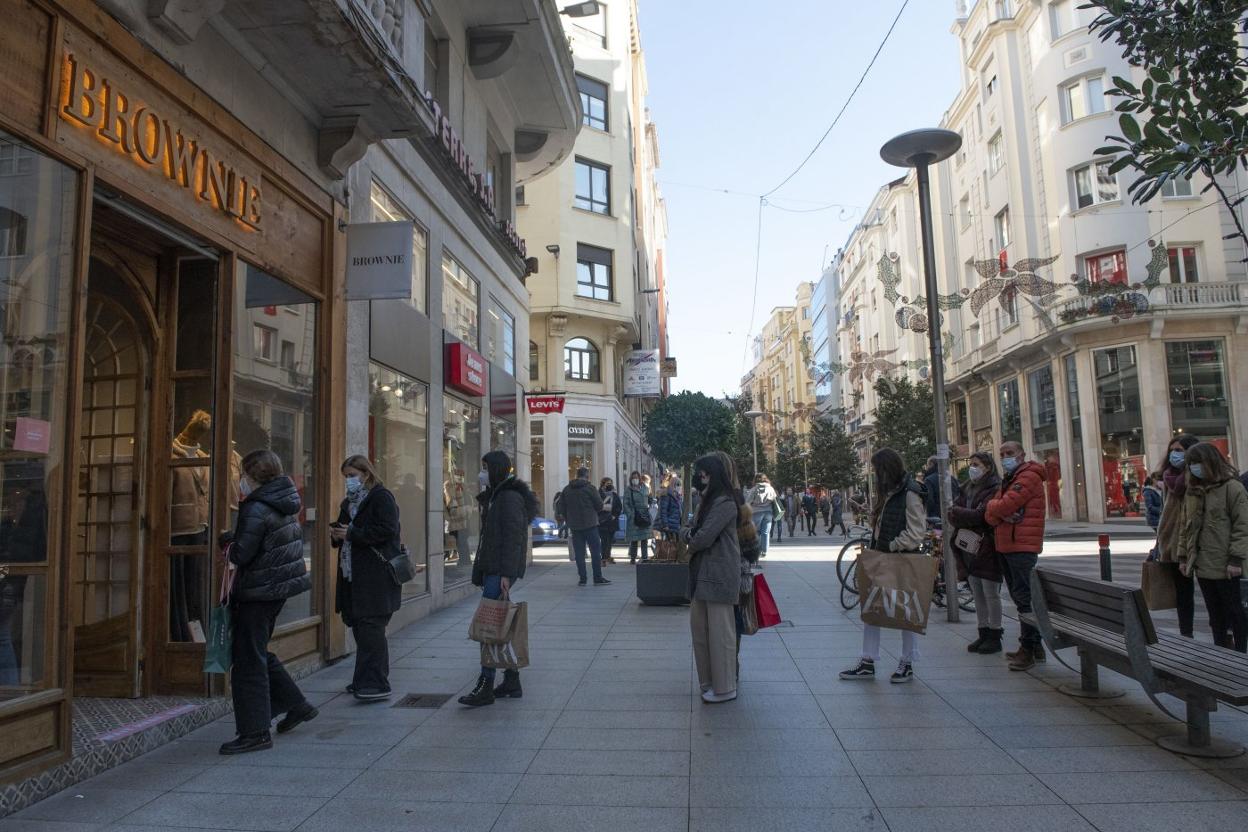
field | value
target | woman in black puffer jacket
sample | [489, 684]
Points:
[509, 506]
[267, 551]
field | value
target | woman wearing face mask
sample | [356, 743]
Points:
[266, 547]
[762, 500]
[366, 534]
[636, 501]
[1213, 542]
[1173, 478]
[608, 518]
[983, 567]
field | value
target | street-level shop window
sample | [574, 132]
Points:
[1199, 396]
[1110, 267]
[1094, 184]
[1116, 374]
[460, 298]
[593, 186]
[387, 209]
[12, 233]
[398, 446]
[275, 407]
[593, 102]
[537, 461]
[580, 360]
[503, 436]
[1078, 474]
[1083, 97]
[1010, 411]
[1183, 268]
[500, 337]
[461, 468]
[593, 272]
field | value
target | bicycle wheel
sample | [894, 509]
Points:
[966, 598]
[845, 567]
[849, 588]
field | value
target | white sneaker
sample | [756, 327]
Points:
[711, 697]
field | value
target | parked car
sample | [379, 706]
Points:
[545, 530]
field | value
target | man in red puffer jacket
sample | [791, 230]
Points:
[1017, 517]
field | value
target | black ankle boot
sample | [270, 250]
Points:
[248, 742]
[974, 646]
[510, 688]
[482, 694]
[991, 642]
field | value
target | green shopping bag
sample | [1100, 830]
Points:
[218, 655]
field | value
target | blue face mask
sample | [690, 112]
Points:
[1177, 458]
[1009, 464]
[1198, 470]
[353, 484]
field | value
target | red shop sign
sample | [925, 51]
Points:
[465, 369]
[545, 404]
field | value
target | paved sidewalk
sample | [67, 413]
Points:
[611, 736]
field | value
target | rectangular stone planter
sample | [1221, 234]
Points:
[663, 584]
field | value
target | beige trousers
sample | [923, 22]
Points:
[714, 629]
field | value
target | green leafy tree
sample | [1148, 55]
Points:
[833, 462]
[788, 470]
[1190, 112]
[904, 420]
[741, 446]
[685, 426]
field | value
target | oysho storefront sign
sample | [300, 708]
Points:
[581, 431]
[156, 142]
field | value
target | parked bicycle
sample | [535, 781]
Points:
[846, 573]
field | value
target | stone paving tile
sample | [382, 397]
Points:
[889, 712]
[627, 763]
[1139, 786]
[407, 815]
[148, 776]
[934, 761]
[784, 819]
[621, 739]
[257, 813]
[770, 739]
[602, 790]
[279, 781]
[433, 786]
[1104, 759]
[924, 791]
[517, 818]
[827, 762]
[860, 739]
[840, 791]
[987, 819]
[88, 804]
[679, 720]
[418, 758]
[15, 824]
[1061, 736]
[1165, 817]
[336, 755]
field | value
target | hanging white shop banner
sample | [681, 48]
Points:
[641, 374]
[379, 260]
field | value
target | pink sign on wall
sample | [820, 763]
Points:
[34, 435]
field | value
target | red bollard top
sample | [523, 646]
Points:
[1102, 540]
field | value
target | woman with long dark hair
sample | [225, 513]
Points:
[1213, 542]
[899, 524]
[715, 576]
[1173, 478]
[983, 567]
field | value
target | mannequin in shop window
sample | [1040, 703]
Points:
[23, 539]
[453, 499]
[189, 491]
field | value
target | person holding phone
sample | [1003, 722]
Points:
[366, 533]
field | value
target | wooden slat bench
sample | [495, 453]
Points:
[1110, 626]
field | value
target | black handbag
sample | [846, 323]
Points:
[641, 518]
[399, 565]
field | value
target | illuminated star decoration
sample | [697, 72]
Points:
[912, 315]
[1118, 301]
[1004, 282]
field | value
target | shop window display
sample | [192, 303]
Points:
[398, 431]
[1122, 430]
[461, 463]
[1076, 440]
[1010, 412]
[1042, 398]
[1199, 400]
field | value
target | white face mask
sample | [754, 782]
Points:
[244, 487]
[974, 472]
[635, 482]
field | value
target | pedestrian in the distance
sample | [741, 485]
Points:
[1016, 515]
[581, 505]
[671, 506]
[899, 524]
[983, 567]
[638, 530]
[777, 518]
[608, 518]
[792, 509]
[367, 536]
[715, 567]
[1153, 501]
[762, 497]
[825, 511]
[1213, 542]
[1173, 478]
[838, 514]
[810, 510]
[266, 547]
[510, 506]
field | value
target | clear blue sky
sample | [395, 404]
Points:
[740, 93]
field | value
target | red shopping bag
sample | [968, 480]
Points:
[765, 604]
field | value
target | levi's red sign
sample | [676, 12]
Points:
[545, 404]
[465, 369]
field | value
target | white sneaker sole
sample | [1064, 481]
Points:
[716, 698]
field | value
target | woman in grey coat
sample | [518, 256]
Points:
[715, 577]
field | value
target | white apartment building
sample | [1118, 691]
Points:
[1094, 377]
[598, 228]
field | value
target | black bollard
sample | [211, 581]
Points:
[1107, 572]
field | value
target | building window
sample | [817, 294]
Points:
[500, 337]
[990, 89]
[433, 66]
[1183, 265]
[1094, 184]
[593, 102]
[1084, 97]
[495, 173]
[1010, 411]
[964, 211]
[534, 362]
[593, 187]
[460, 293]
[1180, 188]
[1001, 228]
[593, 272]
[1003, 9]
[1065, 17]
[996, 154]
[580, 360]
[398, 446]
[387, 209]
[12, 232]
[1199, 399]
[264, 342]
[1110, 267]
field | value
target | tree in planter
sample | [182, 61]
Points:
[1190, 113]
[685, 426]
[904, 420]
[833, 462]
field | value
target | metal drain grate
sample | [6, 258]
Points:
[422, 700]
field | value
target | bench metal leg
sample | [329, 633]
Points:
[1198, 742]
[1089, 682]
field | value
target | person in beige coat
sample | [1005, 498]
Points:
[1173, 478]
[715, 567]
[1213, 542]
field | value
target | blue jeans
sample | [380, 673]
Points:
[763, 523]
[492, 588]
[580, 539]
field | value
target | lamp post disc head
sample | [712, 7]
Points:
[916, 147]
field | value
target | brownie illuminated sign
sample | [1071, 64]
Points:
[153, 141]
[480, 186]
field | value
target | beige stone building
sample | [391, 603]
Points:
[779, 383]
